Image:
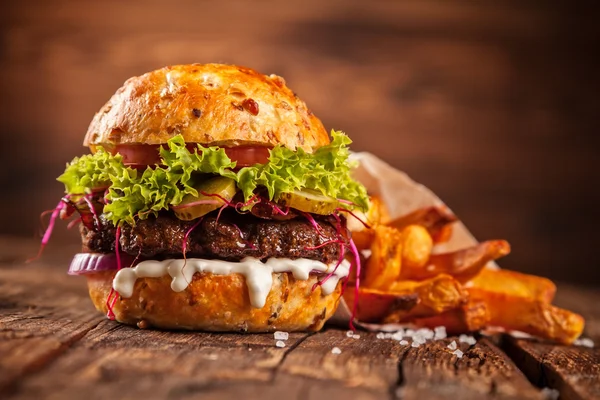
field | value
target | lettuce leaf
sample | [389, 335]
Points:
[135, 194]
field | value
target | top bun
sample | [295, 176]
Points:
[211, 104]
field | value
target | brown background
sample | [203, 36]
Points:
[493, 106]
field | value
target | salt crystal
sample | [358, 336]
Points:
[467, 339]
[398, 335]
[550, 394]
[458, 353]
[389, 335]
[419, 339]
[355, 336]
[415, 344]
[281, 335]
[585, 342]
[380, 335]
[409, 332]
[349, 333]
[439, 332]
[452, 346]
[280, 343]
[403, 342]
[426, 333]
[336, 350]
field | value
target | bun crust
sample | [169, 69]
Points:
[218, 303]
[211, 104]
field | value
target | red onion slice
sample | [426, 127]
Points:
[85, 263]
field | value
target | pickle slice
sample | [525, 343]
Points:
[310, 201]
[223, 188]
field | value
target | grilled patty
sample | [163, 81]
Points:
[233, 237]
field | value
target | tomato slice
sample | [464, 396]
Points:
[140, 155]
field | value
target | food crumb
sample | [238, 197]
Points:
[585, 342]
[280, 343]
[452, 346]
[439, 332]
[143, 324]
[336, 350]
[349, 333]
[467, 339]
[415, 344]
[355, 336]
[550, 394]
[281, 335]
[403, 342]
[458, 353]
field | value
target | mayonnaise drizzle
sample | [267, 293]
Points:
[258, 275]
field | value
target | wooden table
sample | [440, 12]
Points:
[55, 345]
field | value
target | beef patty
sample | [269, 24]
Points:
[233, 237]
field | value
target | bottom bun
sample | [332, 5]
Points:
[218, 303]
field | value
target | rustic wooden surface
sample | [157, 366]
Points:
[53, 344]
[492, 104]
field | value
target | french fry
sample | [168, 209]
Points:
[437, 220]
[383, 267]
[374, 305]
[530, 315]
[463, 264]
[377, 214]
[363, 239]
[435, 296]
[515, 284]
[416, 247]
[471, 317]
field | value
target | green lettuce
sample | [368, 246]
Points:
[137, 194]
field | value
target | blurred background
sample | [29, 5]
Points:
[493, 105]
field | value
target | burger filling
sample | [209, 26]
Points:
[232, 237]
[187, 202]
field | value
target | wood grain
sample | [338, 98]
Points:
[55, 345]
[574, 371]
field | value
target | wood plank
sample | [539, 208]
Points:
[431, 371]
[574, 371]
[364, 362]
[114, 358]
[42, 313]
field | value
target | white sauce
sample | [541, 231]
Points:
[258, 275]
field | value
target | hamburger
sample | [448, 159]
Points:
[213, 199]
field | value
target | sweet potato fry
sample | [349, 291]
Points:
[463, 264]
[416, 247]
[383, 267]
[515, 284]
[374, 305]
[436, 220]
[435, 296]
[471, 317]
[530, 315]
